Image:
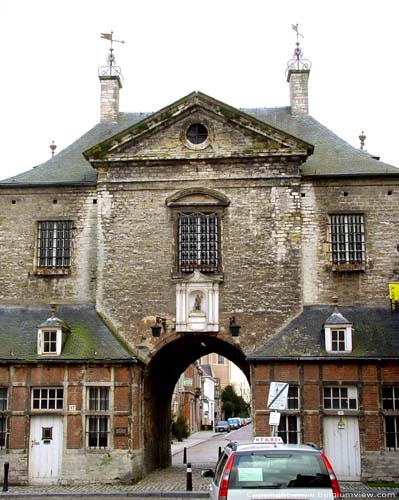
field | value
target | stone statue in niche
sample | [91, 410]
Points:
[197, 302]
[196, 308]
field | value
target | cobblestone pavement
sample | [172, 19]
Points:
[169, 483]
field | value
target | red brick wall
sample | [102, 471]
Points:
[74, 431]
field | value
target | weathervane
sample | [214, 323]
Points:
[111, 69]
[297, 62]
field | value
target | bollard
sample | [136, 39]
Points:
[6, 469]
[219, 452]
[184, 455]
[189, 479]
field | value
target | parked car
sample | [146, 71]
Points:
[268, 468]
[222, 426]
[234, 422]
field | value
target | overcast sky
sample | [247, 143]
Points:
[233, 50]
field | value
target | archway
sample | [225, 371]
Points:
[160, 379]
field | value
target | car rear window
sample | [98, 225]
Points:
[278, 470]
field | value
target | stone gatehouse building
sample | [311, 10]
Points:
[200, 228]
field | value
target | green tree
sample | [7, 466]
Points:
[233, 405]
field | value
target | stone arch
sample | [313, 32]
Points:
[161, 376]
[197, 196]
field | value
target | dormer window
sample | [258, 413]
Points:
[50, 342]
[51, 336]
[338, 334]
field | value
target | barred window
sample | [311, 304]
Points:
[54, 244]
[98, 431]
[97, 426]
[198, 242]
[347, 239]
[51, 398]
[3, 418]
[340, 398]
[289, 429]
[392, 432]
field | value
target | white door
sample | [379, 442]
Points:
[342, 446]
[46, 432]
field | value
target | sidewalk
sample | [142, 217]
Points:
[193, 439]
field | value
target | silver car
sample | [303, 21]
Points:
[269, 469]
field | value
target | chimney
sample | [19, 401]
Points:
[298, 70]
[299, 99]
[110, 85]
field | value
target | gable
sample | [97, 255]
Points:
[227, 133]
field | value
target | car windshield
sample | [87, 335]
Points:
[278, 470]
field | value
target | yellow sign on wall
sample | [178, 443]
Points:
[393, 294]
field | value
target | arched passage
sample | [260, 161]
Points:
[161, 377]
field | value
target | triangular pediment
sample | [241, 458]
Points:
[226, 133]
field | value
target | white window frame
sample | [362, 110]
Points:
[347, 331]
[41, 342]
[287, 433]
[45, 398]
[291, 414]
[98, 413]
[337, 394]
[3, 418]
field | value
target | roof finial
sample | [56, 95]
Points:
[362, 138]
[297, 62]
[335, 300]
[53, 147]
[53, 308]
[110, 69]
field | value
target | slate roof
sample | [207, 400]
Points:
[375, 334]
[207, 369]
[332, 155]
[89, 338]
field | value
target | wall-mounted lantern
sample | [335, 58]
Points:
[159, 324]
[234, 328]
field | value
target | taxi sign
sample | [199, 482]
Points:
[268, 440]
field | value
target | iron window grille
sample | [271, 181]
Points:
[340, 398]
[289, 427]
[347, 244]
[51, 398]
[392, 432]
[198, 242]
[97, 429]
[338, 340]
[54, 242]
[3, 418]
[390, 405]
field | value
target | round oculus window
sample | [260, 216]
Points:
[197, 133]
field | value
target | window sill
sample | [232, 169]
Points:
[214, 276]
[346, 267]
[53, 271]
